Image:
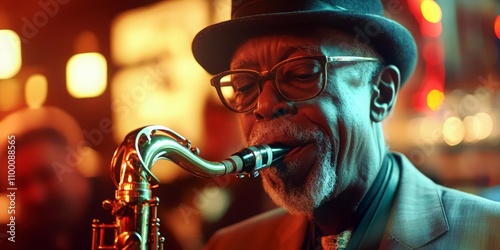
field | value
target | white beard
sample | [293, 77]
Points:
[321, 180]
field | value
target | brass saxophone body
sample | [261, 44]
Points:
[136, 220]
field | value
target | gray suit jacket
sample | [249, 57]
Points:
[424, 216]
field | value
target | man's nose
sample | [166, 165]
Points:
[270, 103]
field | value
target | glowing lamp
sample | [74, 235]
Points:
[35, 91]
[10, 54]
[86, 75]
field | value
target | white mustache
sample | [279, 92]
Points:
[281, 130]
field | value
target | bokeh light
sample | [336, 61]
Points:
[431, 30]
[217, 205]
[453, 131]
[10, 54]
[433, 53]
[472, 126]
[429, 129]
[435, 99]
[431, 11]
[497, 27]
[86, 75]
[486, 123]
[35, 91]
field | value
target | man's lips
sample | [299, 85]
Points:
[294, 168]
[295, 146]
[294, 152]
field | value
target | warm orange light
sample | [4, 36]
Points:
[431, 11]
[497, 27]
[86, 75]
[140, 92]
[10, 54]
[35, 91]
[4, 205]
[90, 165]
[144, 33]
[10, 94]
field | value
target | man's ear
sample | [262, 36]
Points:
[385, 90]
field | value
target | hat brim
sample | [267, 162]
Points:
[213, 47]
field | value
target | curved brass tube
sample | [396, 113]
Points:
[134, 159]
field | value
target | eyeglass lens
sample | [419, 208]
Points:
[296, 80]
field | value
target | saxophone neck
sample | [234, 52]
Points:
[144, 146]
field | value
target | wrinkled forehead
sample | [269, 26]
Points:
[294, 42]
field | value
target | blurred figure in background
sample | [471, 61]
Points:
[59, 189]
[55, 201]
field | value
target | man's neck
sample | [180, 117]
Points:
[335, 216]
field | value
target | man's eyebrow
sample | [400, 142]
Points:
[309, 48]
[244, 64]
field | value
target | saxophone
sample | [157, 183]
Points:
[136, 223]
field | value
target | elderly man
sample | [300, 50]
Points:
[300, 73]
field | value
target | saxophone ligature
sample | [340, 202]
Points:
[136, 223]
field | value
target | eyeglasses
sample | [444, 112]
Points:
[296, 79]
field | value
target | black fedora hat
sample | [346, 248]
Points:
[214, 46]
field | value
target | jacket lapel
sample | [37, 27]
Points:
[417, 216]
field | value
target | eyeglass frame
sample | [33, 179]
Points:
[271, 75]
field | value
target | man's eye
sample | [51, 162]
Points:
[301, 71]
[302, 75]
[243, 83]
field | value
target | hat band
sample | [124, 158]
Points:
[260, 7]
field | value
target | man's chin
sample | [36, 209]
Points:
[304, 197]
[293, 199]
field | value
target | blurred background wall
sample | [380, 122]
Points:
[119, 65]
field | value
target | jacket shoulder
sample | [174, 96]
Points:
[471, 211]
[441, 217]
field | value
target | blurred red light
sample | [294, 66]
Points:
[433, 53]
[432, 30]
[497, 27]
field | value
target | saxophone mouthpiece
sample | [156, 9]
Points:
[255, 158]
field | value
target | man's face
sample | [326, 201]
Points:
[328, 133]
